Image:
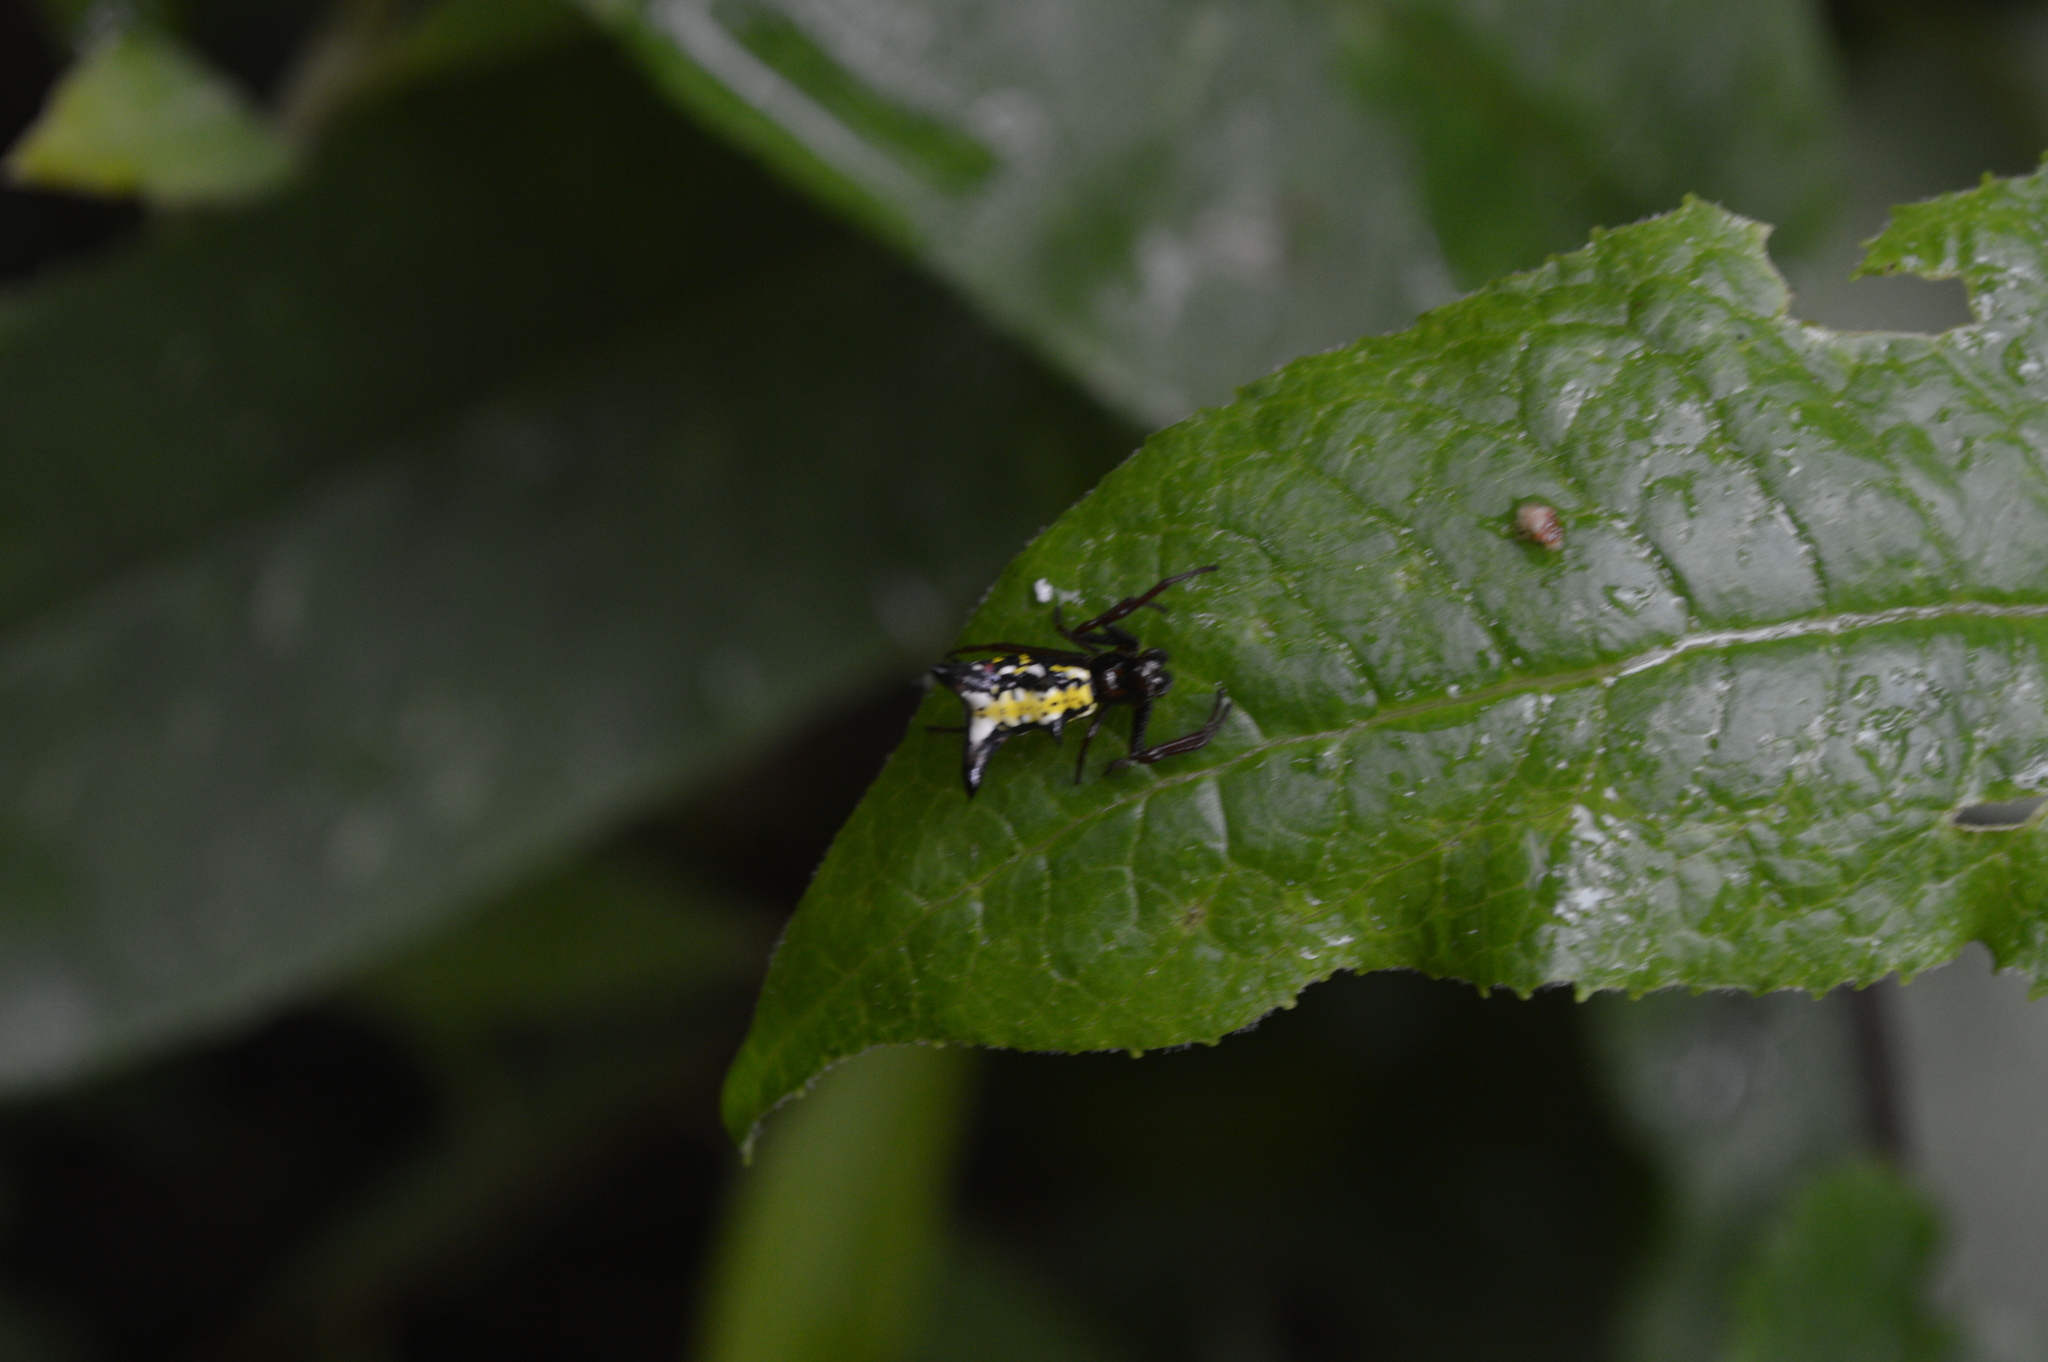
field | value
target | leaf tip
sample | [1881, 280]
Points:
[750, 1096]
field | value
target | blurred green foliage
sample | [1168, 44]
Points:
[138, 115]
[1841, 1274]
[1739, 1104]
[1171, 200]
[836, 1239]
[575, 413]
[450, 603]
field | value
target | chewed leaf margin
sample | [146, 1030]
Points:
[1720, 734]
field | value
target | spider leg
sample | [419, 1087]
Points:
[1059, 624]
[1081, 762]
[1192, 742]
[1141, 718]
[1128, 605]
[1109, 637]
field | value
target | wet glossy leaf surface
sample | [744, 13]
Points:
[1171, 199]
[1715, 739]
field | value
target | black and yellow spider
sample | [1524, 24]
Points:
[1026, 686]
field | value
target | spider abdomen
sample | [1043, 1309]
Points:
[1019, 691]
[1008, 694]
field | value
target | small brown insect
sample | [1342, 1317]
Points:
[1537, 522]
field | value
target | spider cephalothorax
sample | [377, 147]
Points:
[1025, 686]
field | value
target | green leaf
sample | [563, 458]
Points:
[372, 550]
[140, 115]
[1716, 739]
[1843, 1274]
[1172, 199]
[832, 1247]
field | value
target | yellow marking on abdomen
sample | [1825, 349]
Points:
[1019, 708]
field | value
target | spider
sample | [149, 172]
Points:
[1026, 686]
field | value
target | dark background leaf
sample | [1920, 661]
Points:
[1170, 201]
[325, 763]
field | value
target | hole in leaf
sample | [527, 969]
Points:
[2002, 815]
[1896, 302]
